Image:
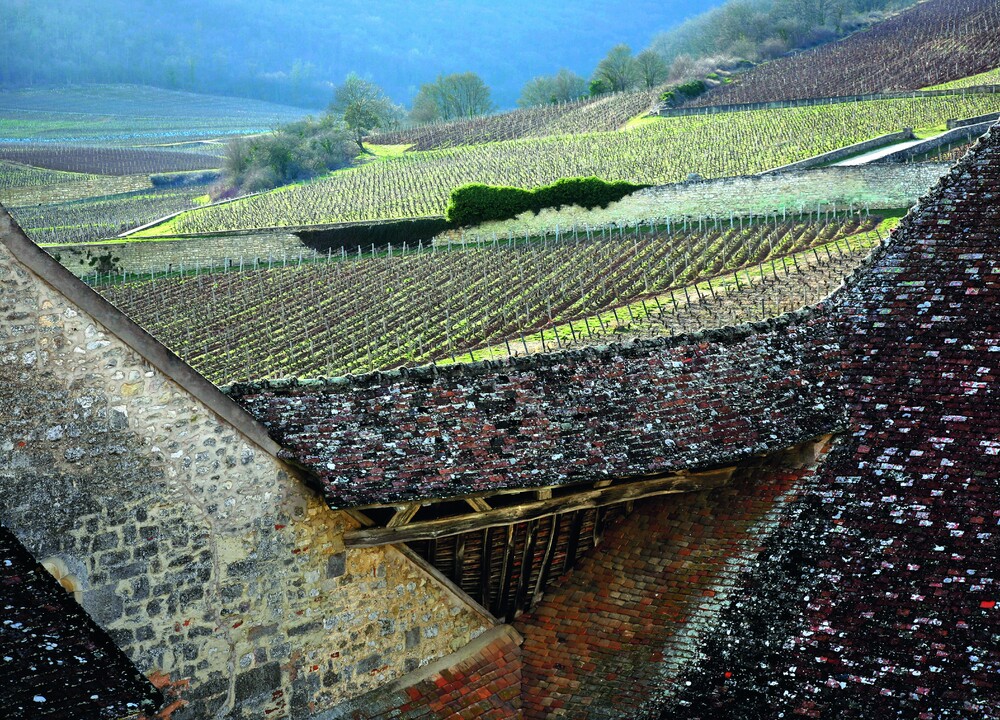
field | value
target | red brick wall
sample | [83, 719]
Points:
[611, 636]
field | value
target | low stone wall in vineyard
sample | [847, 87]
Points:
[665, 111]
[957, 135]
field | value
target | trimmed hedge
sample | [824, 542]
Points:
[477, 203]
[351, 236]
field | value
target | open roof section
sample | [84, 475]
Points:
[882, 600]
[690, 403]
[55, 662]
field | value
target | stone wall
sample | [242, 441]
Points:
[195, 549]
[835, 156]
[482, 681]
[665, 111]
[954, 136]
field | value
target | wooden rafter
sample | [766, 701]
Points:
[403, 515]
[537, 509]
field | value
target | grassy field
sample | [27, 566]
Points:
[990, 77]
[417, 184]
[127, 114]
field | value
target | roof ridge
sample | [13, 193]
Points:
[125, 329]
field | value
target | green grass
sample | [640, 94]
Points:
[387, 151]
[990, 77]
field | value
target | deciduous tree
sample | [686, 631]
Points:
[460, 95]
[618, 70]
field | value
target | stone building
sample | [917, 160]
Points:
[788, 518]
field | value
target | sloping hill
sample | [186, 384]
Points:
[934, 42]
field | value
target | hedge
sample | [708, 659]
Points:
[477, 203]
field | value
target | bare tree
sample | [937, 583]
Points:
[617, 71]
[564, 86]
[461, 95]
[651, 68]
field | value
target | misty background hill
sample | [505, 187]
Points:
[294, 52]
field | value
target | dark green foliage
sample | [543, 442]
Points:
[692, 89]
[184, 179]
[477, 203]
[293, 152]
[685, 92]
[351, 236]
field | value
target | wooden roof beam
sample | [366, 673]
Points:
[584, 500]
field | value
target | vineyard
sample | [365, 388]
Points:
[934, 42]
[991, 77]
[74, 187]
[603, 114]
[104, 160]
[664, 151]
[873, 187]
[124, 114]
[102, 217]
[15, 175]
[401, 309]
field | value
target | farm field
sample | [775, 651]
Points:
[105, 160]
[873, 187]
[71, 187]
[96, 218]
[934, 42]
[603, 114]
[129, 114]
[16, 175]
[350, 316]
[663, 151]
[991, 77]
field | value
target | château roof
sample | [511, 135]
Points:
[55, 662]
[883, 600]
[621, 411]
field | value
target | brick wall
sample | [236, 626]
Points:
[610, 638]
[194, 548]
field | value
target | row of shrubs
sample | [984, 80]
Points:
[476, 203]
[683, 93]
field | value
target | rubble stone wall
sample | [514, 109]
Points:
[213, 568]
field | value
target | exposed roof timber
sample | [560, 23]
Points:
[583, 500]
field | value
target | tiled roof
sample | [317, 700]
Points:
[54, 661]
[583, 415]
[884, 601]
[609, 635]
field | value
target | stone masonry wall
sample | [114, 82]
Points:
[220, 575]
[482, 681]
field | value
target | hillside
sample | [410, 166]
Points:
[292, 52]
[934, 42]
[661, 151]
